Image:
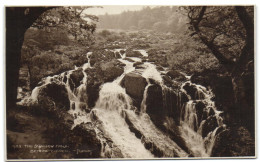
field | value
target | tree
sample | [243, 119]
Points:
[19, 19]
[229, 34]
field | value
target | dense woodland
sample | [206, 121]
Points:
[161, 19]
[213, 46]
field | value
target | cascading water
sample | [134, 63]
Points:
[114, 106]
[192, 127]
[109, 109]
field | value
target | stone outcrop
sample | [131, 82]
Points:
[135, 85]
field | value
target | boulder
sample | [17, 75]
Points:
[234, 142]
[98, 75]
[131, 53]
[210, 124]
[85, 138]
[122, 52]
[154, 100]
[191, 90]
[135, 85]
[200, 106]
[173, 74]
[167, 81]
[117, 55]
[57, 93]
[111, 70]
[75, 78]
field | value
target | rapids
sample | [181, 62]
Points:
[114, 106]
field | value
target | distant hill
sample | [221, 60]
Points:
[161, 18]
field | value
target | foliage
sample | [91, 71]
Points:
[70, 19]
[162, 19]
[191, 56]
[226, 31]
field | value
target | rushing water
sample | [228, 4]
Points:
[114, 104]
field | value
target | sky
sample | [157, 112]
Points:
[115, 9]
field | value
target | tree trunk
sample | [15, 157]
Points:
[14, 42]
[18, 20]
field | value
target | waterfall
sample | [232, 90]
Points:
[115, 119]
[191, 126]
[110, 108]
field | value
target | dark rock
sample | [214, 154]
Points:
[65, 79]
[122, 51]
[191, 90]
[76, 76]
[210, 124]
[85, 138]
[98, 75]
[56, 93]
[93, 88]
[73, 106]
[167, 81]
[154, 100]
[171, 105]
[160, 68]
[200, 106]
[176, 75]
[131, 53]
[211, 111]
[184, 98]
[137, 64]
[132, 128]
[234, 142]
[135, 85]
[117, 55]
[152, 81]
[102, 55]
[111, 70]
[205, 114]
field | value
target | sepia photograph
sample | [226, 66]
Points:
[130, 82]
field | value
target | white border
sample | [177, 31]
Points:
[117, 2]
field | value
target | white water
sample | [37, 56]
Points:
[144, 124]
[114, 103]
[109, 109]
[192, 130]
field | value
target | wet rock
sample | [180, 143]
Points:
[137, 64]
[132, 128]
[93, 88]
[131, 53]
[167, 81]
[152, 81]
[57, 93]
[101, 73]
[111, 70]
[200, 106]
[183, 97]
[135, 85]
[171, 105]
[160, 68]
[176, 75]
[234, 142]
[102, 55]
[75, 77]
[122, 51]
[65, 79]
[117, 55]
[129, 59]
[211, 111]
[210, 124]
[191, 90]
[154, 100]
